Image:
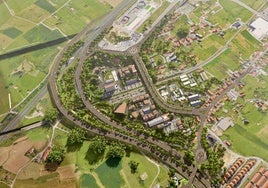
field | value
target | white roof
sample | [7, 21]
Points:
[261, 28]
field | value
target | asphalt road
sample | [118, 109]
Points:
[18, 117]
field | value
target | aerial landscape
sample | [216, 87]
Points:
[134, 93]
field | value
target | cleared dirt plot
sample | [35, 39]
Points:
[17, 158]
[32, 171]
[66, 172]
[4, 151]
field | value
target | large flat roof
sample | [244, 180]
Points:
[260, 28]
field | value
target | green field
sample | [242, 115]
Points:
[41, 34]
[44, 4]
[254, 134]
[2, 185]
[245, 44]
[145, 166]
[255, 4]
[24, 29]
[73, 18]
[3, 96]
[229, 14]
[41, 133]
[86, 180]
[23, 73]
[235, 11]
[12, 32]
[109, 173]
[255, 87]
[225, 61]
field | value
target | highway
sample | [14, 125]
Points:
[26, 110]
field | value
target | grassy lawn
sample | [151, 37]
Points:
[3, 96]
[254, 4]
[235, 11]
[255, 87]
[110, 170]
[181, 22]
[86, 180]
[145, 166]
[2, 185]
[219, 66]
[4, 13]
[40, 133]
[254, 134]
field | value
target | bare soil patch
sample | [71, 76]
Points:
[17, 158]
[4, 151]
[67, 172]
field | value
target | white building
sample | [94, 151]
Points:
[259, 28]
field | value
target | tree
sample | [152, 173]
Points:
[98, 145]
[182, 32]
[76, 136]
[56, 155]
[51, 115]
[116, 150]
[133, 166]
[188, 158]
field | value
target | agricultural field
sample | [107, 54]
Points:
[33, 22]
[245, 44]
[239, 50]
[254, 4]
[235, 11]
[224, 62]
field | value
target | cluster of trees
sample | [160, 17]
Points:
[133, 166]
[70, 51]
[56, 155]
[76, 136]
[188, 157]
[182, 32]
[213, 166]
[115, 38]
[51, 115]
[114, 149]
